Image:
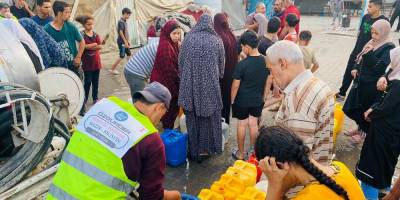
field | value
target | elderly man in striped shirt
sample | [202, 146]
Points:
[308, 104]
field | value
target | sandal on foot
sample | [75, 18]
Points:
[235, 154]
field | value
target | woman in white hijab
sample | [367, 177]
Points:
[381, 148]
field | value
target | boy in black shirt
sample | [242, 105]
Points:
[247, 93]
[271, 37]
[364, 36]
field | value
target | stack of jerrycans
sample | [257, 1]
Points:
[236, 184]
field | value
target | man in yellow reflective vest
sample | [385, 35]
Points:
[116, 150]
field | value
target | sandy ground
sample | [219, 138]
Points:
[332, 50]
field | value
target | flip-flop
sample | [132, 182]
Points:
[234, 154]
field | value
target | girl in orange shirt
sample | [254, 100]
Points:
[285, 161]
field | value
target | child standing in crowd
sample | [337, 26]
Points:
[123, 39]
[291, 24]
[5, 11]
[43, 16]
[21, 9]
[91, 63]
[271, 36]
[249, 84]
[310, 62]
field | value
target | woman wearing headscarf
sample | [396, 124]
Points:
[221, 26]
[165, 69]
[201, 63]
[262, 24]
[381, 148]
[371, 65]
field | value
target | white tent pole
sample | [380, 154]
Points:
[74, 9]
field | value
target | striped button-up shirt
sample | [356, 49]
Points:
[307, 109]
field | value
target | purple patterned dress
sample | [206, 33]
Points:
[201, 64]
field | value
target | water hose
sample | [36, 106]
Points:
[25, 158]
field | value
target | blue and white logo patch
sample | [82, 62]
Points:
[121, 116]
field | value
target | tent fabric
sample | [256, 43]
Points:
[236, 12]
[105, 25]
[234, 8]
[23, 36]
[147, 9]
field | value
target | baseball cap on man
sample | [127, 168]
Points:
[155, 92]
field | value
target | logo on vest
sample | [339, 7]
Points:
[107, 131]
[121, 116]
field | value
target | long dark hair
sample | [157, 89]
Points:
[285, 146]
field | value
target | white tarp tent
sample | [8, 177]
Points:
[234, 8]
[107, 16]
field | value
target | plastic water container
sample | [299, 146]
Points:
[245, 171]
[225, 131]
[206, 194]
[252, 193]
[231, 186]
[338, 120]
[188, 197]
[175, 147]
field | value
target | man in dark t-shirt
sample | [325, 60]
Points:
[249, 80]
[364, 36]
[43, 16]
[20, 9]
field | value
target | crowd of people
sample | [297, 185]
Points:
[211, 72]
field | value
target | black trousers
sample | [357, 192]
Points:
[91, 79]
[347, 78]
[396, 14]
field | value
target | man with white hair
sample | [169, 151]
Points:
[308, 103]
[251, 23]
[289, 8]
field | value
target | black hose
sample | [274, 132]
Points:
[30, 154]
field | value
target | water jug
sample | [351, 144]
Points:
[232, 186]
[175, 147]
[206, 194]
[253, 160]
[245, 171]
[225, 131]
[338, 120]
[252, 193]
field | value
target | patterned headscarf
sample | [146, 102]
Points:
[201, 64]
[50, 50]
[205, 24]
